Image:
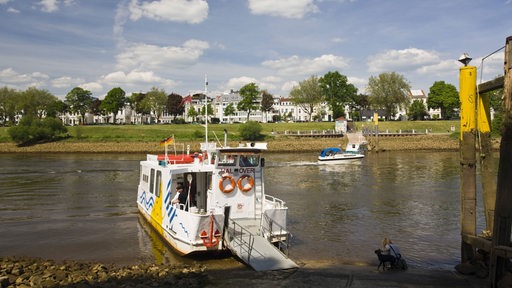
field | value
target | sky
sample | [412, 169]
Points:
[174, 45]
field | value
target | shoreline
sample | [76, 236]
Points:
[404, 143]
[38, 272]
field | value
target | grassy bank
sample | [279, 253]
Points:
[145, 138]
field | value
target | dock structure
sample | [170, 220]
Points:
[497, 195]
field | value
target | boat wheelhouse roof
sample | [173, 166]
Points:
[248, 148]
[330, 150]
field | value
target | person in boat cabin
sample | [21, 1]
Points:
[180, 197]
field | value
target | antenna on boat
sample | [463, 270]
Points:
[206, 105]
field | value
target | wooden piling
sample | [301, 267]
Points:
[503, 207]
[467, 95]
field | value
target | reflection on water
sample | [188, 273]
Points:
[83, 207]
[341, 212]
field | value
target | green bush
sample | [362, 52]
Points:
[33, 130]
[251, 131]
[198, 134]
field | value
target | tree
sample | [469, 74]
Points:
[155, 101]
[229, 110]
[359, 103]
[97, 107]
[8, 105]
[35, 102]
[192, 113]
[307, 95]
[337, 91]
[267, 102]
[445, 97]
[251, 131]
[389, 91]
[417, 111]
[249, 93]
[210, 111]
[79, 101]
[32, 130]
[113, 102]
[57, 108]
[174, 106]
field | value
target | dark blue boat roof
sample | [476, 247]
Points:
[330, 150]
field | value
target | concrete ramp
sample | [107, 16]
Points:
[259, 253]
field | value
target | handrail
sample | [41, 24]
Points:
[280, 203]
[239, 239]
[282, 244]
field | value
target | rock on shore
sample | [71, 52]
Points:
[37, 272]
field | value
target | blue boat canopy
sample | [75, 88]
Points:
[330, 151]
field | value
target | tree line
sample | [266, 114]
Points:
[387, 92]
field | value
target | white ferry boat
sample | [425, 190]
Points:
[225, 208]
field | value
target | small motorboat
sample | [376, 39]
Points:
[337, 155]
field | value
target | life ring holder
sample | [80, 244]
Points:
[225, 189]
[245, 188]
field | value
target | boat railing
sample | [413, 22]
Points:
[276, 202]
[273, 231]
[242, 238]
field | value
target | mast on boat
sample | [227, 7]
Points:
[206, 105]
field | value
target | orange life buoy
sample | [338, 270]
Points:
[248, 186]
[228, 188]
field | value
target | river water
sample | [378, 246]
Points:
[82, 207]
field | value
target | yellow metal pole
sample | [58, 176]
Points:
[467, 94]
[487, 171]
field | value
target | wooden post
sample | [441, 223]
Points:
[488, 172]
[468, 158]
[503, 209]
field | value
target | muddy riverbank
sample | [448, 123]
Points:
[37, 272]
[405, 143]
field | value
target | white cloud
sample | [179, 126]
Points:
[66, 81]
[360, 83]
[13, 10]
[288, 86]
[146, 56]
[92, 86]
[10, 76]
[406, 59]
[445, 68]
[337, 40]
[295, 65]
[283, 8]
[135, 77]
[4, 1]
[239, 82]
[50, 6]
[190, 11]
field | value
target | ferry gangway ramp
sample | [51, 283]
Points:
[255, 250]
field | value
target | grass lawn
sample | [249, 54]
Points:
[187, 132]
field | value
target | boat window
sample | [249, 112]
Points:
[226, 159]
[158, 183]
[249, 160]
[152, 181]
